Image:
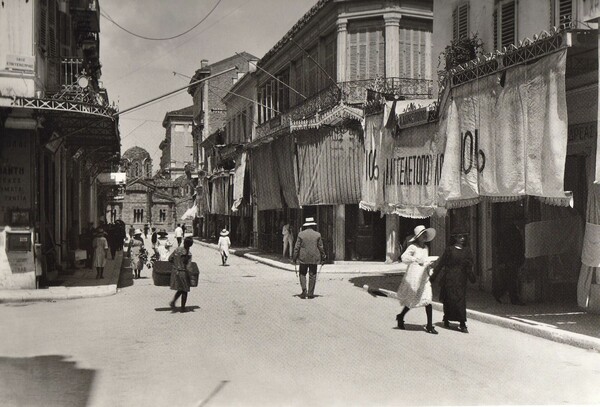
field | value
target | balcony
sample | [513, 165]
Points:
[76, 82]
[353, 93]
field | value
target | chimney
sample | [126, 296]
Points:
[204, 63]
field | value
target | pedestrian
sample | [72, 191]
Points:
[310, 253]
[146, 228]
[113, 239]
[415, 288]
[224, 245]
[153, 237]
[136, 253]
[100, 245]
[453, 269]
[180, 275]
[183, 228]
[179, 234]
[163, 245]
[512, 254]
[288, 239]
[131, 231]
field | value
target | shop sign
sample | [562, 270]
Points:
[15, 172]
[582, 132]
[20, 63]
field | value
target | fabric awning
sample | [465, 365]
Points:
[330, 117]
[238, 181]
[190, 213]
[285, 157]
[266, 178]
[507, 135]
[329, 166]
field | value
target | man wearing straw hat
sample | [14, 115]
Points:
[309, 252]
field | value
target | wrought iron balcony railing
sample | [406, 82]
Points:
[76, 82]
[351, 93]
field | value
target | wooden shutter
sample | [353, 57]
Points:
[460, 21]
[330, 60]
[415, 49]
[298, 80]
[507, 23]
[43, 33]
[312, 71]
[562, 13]
[366, 58]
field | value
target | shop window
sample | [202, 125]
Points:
[460, 21]
[505, 23]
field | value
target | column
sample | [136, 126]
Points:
[392, 45]
[340, 232]
[342, 42]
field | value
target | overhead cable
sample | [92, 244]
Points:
[318, 65]
[109, 18]
[271, 75]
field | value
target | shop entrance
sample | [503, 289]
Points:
[365, 234]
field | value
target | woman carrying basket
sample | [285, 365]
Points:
[180, 275]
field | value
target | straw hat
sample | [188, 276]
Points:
[419, 230]
[309, 222]
[224, 232]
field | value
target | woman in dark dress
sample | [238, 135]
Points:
[453, 269]
[180, 276]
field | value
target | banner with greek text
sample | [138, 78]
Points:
[507, 134]
[402, 168]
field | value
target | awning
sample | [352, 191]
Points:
[190, 213]
[238, 181]
[285, 157]
[329, 165]
[507, 134]
[266, 178]
[330, 117]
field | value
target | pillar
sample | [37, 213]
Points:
[340, 232]
[392, 45]
[342, 45]
[392, 245]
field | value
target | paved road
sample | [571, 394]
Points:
[250, 341]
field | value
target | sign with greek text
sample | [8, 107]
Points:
[20, 63]
[15, 172]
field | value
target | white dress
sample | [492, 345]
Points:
[163, 247]
[415, 288]
[224, 244]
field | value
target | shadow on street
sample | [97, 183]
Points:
[49, 380]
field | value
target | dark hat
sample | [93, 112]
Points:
[163, 232]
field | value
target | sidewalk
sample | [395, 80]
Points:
[562, 322]
[79, 283]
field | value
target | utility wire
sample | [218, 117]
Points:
[244, 97]
[318, 65]
[271, 75]
[109, 18]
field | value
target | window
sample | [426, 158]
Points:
[460, 21]
[273, 97]
[415, 49]
[505, 23]
[162, 215]
[138, 215]
[366, 50]
[562, 13]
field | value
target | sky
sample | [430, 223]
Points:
[135, 70]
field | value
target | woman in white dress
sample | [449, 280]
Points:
[415, 289]
[224, 244]
[100, 245]
[163, 245]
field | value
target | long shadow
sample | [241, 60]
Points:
[190, 308]
[380, 281]
[48, 380]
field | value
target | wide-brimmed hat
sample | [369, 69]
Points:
[224, 232]
[309, 222]
[137, 232]
[162, 232]
[419, 230]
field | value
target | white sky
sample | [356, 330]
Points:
[135, 70]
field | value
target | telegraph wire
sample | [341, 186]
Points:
[245, 98]
[318, 65]
[271, 75]
[109, 18]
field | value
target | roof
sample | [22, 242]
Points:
[185, 113]
[295, 29]
[136, 153]
[209, 68]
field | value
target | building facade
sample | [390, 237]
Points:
[177, 147]
[58, 132]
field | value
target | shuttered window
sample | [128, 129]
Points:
[298, 82]
[415, 49]
[460, 21]
[312, 71]
[43, 42]
[505, 23]
[366, 51]
[562, 13]
[329, 60]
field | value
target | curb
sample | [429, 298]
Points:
[555, 335]
[61, 293]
